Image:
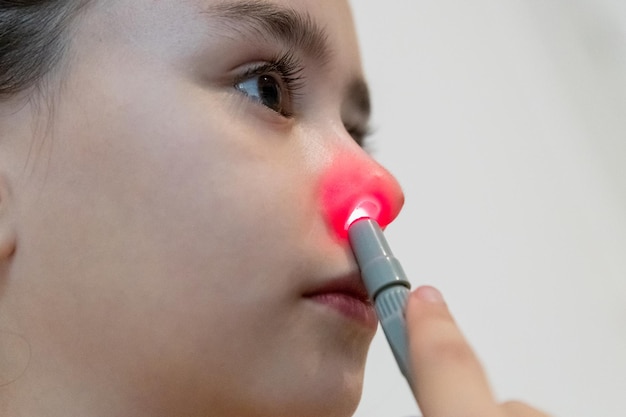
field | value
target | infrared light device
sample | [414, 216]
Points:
[385, 281]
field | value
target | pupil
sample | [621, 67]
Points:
[269, 92]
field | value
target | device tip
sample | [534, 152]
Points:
[364, 209]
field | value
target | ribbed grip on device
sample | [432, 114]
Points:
[391, 302]
[390, 305]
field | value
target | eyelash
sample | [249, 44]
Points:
[290, 75]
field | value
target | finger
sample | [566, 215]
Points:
[519, 409]
[448, 379]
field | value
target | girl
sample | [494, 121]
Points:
[166, 247]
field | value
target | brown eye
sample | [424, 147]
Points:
[265, 89]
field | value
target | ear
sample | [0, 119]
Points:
[8, 235]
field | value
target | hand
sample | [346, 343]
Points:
[448, 379]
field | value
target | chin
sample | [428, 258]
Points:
[300, 389]
[343, 403]
[335, 394]
[318, 372]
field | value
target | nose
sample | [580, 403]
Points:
[354, 181]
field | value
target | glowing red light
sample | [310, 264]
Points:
[354, 187]
[365, 209]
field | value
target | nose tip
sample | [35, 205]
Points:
[354, 181]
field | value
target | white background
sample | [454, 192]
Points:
[505, 123]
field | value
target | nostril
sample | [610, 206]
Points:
[355, 186]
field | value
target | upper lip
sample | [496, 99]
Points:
[350, 285]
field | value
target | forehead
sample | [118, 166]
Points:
[180, 23]
[334, 16]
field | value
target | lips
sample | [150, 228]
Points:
[348, 297]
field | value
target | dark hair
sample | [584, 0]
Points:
[32, 40]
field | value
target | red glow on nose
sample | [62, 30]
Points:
[354, 187]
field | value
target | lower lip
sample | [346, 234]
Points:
[349, 307]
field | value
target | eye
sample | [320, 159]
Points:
[265, 89]
[274, 84]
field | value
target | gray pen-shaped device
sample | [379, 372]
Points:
[386, 284]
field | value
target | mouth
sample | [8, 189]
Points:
[348, 297]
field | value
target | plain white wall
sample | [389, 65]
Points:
[505, 122]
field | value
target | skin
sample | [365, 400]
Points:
[159, 230]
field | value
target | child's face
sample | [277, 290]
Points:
[169, 223]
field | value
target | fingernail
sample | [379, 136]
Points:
[429, 294]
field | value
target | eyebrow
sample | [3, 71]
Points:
[270, 21]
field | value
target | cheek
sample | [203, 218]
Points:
[356, 185]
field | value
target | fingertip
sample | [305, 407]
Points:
[429, 294]
[426, 303]
[521, 409]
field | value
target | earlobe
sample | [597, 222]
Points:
[8, 235]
